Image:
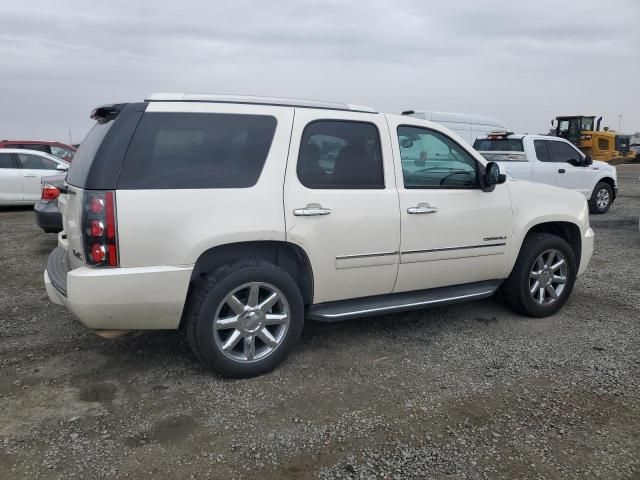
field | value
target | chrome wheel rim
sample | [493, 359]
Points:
[602, 199]
[251, 322]
[548, 277]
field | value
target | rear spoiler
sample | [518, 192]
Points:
[107, 112]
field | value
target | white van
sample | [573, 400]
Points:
[469, 126]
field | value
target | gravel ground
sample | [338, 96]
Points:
[471, 391]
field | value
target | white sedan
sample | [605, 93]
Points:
[20, 174]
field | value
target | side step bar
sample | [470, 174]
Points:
[400, 302]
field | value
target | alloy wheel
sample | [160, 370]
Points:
[602, 199]
[251, 322]
[548, 277]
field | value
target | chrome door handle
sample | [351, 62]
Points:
[30, 176]
[311, 211]
[422, 208]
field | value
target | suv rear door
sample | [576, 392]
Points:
[34, 167]
[341, 204]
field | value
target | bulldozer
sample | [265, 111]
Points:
[604, 145]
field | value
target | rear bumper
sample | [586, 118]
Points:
[587, 251]
[48, 217]
[136, 298]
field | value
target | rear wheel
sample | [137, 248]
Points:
[543, 276]
[601, 198]
[245, 318]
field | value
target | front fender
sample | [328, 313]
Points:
[535, 204]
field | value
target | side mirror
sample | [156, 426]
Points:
[62, 168]
[575, 162]
[588, 160]
[492, 177]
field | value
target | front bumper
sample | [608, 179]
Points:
[587, 250]
[135, 298]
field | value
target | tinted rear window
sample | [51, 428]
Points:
[498, 145]
[197, 150]
[83, 158]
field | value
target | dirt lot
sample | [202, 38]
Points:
[469, 391]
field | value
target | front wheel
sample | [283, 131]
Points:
[245, 318]
[543, 276]
[601, 198]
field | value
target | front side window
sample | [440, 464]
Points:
[562, 152]
[6, 160]
[197, 150]
[431, 159]
[35, 162]
[340, 154]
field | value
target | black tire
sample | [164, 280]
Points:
[516, 289]
[601, 188]
[208, 296]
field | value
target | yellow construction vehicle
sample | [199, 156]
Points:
[604, 145]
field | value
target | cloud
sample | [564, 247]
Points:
[523, 62]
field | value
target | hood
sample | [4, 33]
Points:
[598, 165]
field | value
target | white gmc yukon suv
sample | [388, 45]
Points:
[552, 160]
[236, 218]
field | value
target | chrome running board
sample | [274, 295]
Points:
[400, 302]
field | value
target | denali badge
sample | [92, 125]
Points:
[489, 239]
[77, 254]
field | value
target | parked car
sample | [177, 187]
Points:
[555, 161]
[60, 150]
[20, 174]
[468, 125]
[636, 150]
[48, 216]
[237, 217]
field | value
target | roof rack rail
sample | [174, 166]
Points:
[255, 100]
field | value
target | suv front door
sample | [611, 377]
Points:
[341, 204]
[452, 231]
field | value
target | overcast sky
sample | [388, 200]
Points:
[524, 62]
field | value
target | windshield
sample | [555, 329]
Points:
[498, 145]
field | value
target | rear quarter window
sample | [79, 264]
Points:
[197, 150]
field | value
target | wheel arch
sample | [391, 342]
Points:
[610, 182]
[566, 230]
[291, 258]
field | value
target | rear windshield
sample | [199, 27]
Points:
[498, 145]
[197, 150]
[86, 152]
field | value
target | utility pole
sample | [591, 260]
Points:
[620, 123]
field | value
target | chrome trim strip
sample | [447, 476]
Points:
[402, 305]
[446, 249]
[366, 255]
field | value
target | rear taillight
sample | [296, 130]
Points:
[99, 229]
[49, 193]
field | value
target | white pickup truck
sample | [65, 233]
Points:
[545, 159]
